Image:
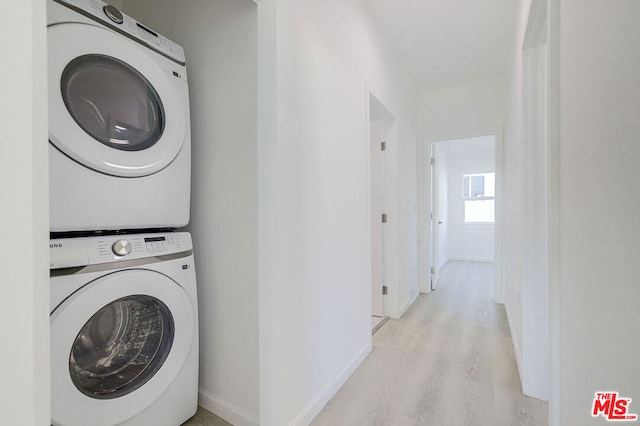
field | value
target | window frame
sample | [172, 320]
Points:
[467, 197]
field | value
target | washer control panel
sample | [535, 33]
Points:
[110, 16]
[83, 251]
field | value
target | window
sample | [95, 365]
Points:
[479, 191]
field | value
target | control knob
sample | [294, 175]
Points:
[121, 248]
[114, 14]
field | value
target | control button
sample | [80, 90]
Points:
[114, 14]
[121, 248]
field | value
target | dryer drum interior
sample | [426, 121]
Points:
[121, 347]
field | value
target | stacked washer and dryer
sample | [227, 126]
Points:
[124, 319]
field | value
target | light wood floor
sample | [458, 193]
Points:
[448, 361]
[205, 418]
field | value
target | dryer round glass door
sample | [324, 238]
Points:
[112, 107]
[117, 344]
[112, 102]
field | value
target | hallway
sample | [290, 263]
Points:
[448, 361]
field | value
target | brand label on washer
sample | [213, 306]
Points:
[67, 253]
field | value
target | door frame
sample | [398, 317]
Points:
[540, 269]
[378, 113]
[425, 237]
[377, 179]
[434, 218]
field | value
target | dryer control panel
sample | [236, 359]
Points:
[111, 17]
[84, 251]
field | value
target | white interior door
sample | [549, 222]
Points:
[377, 247]
[435, 221]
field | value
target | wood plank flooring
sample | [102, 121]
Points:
[205, 418]
[448, 361]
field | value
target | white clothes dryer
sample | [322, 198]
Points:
[124, 330]
[119, 126]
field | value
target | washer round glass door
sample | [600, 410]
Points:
[119, 341]
[112, 108]
[121, 347]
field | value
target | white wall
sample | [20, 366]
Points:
[24, 253]
[599, 295]
[473, 109]
[268, 202]
[317, 296]
[469, 241]
[220, 41]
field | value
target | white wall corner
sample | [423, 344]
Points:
[553, 26]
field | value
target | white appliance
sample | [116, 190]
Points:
[119, 129]
[124, 330]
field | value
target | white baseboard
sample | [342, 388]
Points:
[443, 262]
[221, 408]
[472, 259]
[408, 304]
[317, 404]
[514, 340]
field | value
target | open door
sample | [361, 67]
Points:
[434, 222]
[377, 197]
[381, 122]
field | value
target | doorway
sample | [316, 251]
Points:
[381, 126]
[464, 196]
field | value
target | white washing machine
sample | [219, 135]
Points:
[124, 330]
[119, 126]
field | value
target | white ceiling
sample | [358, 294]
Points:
[445, 43]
